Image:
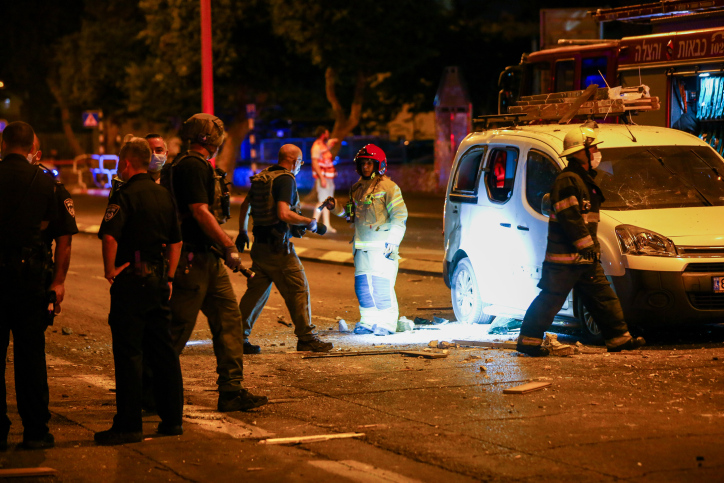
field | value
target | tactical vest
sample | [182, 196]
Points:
[220, 205]
[263, 206]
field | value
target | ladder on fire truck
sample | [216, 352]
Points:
[564, 106]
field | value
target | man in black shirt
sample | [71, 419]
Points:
[141, 247]
[27, 207]
[274, 204]
[202, 282]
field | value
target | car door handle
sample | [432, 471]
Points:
[506, 225]
[523, 228]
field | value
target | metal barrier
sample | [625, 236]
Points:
[102, 175]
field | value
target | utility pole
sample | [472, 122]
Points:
[207, 70]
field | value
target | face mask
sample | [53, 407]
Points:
[595, 160]
[157, 162]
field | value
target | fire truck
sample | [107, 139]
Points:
[685, 69]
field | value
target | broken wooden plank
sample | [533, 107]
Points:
[484, 343]
[526, 388]
[426, 355]
[351, 354]
[25, 472]
[310, 439]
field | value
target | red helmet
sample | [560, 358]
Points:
[374, 153]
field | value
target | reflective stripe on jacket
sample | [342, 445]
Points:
[380, 213]
[576, 201]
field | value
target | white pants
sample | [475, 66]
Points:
[374, 284]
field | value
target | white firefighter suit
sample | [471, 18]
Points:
[380, 218]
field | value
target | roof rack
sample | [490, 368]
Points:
[592, 101]
[483, 123]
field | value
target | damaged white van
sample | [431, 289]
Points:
[661, 230]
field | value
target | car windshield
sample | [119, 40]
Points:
[660, 177]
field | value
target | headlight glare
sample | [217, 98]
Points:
[640, 241]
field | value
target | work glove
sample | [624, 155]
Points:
[231, 258]
[242, 240]
[391, 251]
[591, 255]
[312, 226]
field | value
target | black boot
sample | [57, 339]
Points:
[630, 345]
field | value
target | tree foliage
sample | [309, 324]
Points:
[360, 45]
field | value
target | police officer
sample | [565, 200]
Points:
[380, 216]
[141, 247]
[274, 204]
[202, 282]
[159, 148]
[573, 254]
[60, 230]
[27, 207]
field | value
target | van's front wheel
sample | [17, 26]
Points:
[589, 328]
[465, 294]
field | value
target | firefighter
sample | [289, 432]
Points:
[379, 215]
[573, 254]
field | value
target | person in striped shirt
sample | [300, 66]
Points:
[323, 171]
[380, 217]
[573, 254]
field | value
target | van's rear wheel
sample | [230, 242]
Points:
[465, 294]
[590, 330]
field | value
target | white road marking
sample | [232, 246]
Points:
[206, 418]
[333, 256]
[361, 472]
[215, 421]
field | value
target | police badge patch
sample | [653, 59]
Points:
[111, 212]
[69, 206]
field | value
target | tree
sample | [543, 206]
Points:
[250, 65]
[89, 68]
[360, 45]
[26, 55]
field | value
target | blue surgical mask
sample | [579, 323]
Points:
[157, 162]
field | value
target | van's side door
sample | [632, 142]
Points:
[492, 248]
[539, 171]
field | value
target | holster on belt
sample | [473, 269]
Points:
[142, 268]
[279, 241]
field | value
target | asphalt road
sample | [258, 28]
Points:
[651, 415]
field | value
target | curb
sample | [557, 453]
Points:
[334, 257]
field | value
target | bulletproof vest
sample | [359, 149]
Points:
[263, 206]
[220, 205]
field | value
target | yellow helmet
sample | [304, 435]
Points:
[578, 139]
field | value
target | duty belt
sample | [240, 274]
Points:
[146, 269]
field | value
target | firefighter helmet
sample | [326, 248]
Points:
[578, 139]
[374, 153]
[203, 129]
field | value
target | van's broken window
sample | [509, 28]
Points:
[467, 174]
[540, 173]
[660, 177]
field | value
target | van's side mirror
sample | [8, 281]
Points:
[509, 85]
[545, 205]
